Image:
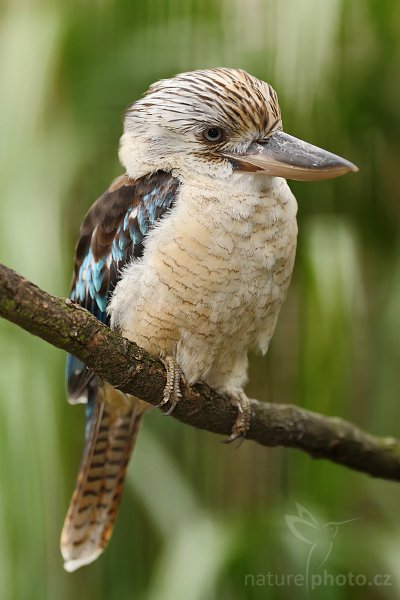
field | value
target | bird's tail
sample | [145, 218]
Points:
[111, 434]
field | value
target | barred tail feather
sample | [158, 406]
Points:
[111, 437]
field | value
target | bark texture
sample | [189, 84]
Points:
[66, 325]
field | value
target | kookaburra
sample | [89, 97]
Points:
[189, 254]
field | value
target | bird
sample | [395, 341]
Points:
[189, 254]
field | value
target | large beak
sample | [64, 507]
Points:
[283, 155]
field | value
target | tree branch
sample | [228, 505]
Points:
[129, 368]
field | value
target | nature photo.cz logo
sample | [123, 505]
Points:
[320, 538]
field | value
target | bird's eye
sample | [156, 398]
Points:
[213, 134]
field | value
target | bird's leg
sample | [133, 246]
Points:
[242, 424]
[172, 390]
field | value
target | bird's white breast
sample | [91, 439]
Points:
[213, 276]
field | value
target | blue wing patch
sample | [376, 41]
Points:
[112, 235]
[88, 290]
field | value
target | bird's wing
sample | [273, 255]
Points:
[112, 235]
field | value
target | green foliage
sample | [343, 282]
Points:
[198, 516]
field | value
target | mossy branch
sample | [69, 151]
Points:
[129, 368]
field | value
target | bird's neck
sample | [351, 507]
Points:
[247, 203]
[237, 192]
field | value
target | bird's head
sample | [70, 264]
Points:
[214, 123]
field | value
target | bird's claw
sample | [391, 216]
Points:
[242, 423]
[172, 390]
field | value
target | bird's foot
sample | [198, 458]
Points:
[242, 424]
[172, 390]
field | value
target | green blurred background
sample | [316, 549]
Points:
[197, 516]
